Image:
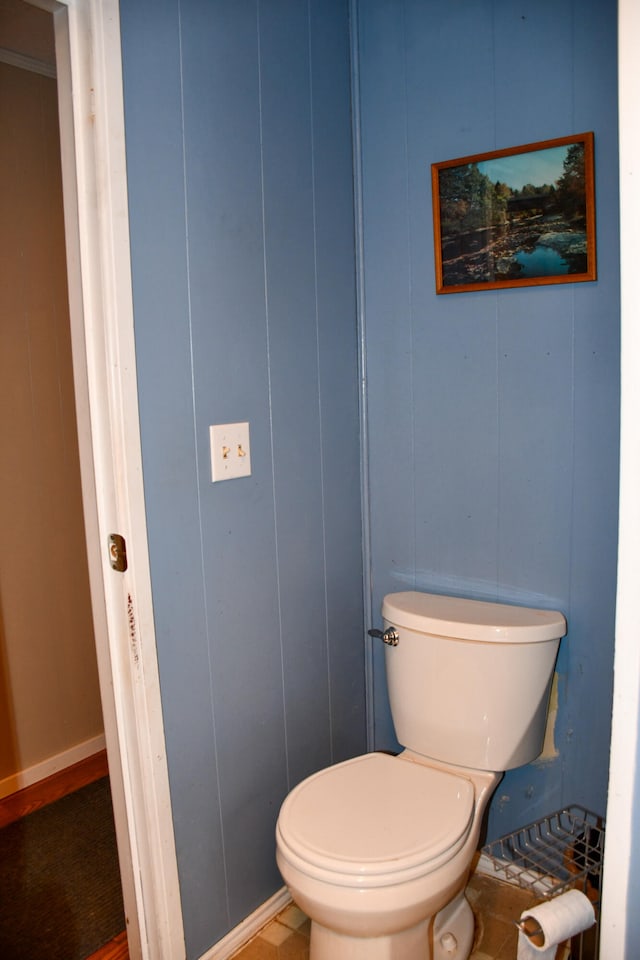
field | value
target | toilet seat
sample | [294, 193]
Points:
[375, 820]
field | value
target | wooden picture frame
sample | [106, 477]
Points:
[518, 217]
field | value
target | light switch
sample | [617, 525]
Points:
[230, 451]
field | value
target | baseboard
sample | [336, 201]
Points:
[503, 871]
[40, 771]
[52, 788]
[485, 866]
[249, 927]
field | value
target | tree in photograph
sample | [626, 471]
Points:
[469, 200]
[454, 199]
[570, 191]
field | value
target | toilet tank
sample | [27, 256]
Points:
[469, 681]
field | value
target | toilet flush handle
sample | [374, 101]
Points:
[389, 636]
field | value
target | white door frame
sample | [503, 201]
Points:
[89, 68]
[617, 903]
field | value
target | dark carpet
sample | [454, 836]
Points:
[60, 892]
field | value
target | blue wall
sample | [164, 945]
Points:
[238, 134]
[493, 416]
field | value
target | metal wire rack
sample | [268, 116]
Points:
[559, 852]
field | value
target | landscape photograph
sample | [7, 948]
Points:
[515, 217]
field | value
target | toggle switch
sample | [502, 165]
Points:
[230, 451]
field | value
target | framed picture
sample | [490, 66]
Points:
[515, 218]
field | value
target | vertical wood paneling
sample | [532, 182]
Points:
[329, 45]
[231, 382]
[536, 456]
[387, 314]
[243, 226]
[455, 411]
[533, 56]
[505, 399]
[157, 213]
[596, 394]
[292, 317]
[485, 474]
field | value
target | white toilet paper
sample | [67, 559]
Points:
[558, 919]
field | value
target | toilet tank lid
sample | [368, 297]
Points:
[477, 620]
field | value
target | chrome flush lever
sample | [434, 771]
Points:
[389, 636]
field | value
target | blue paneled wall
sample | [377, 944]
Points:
[494, 441]
[492, 452]
[238, 130]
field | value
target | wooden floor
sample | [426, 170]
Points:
[46, 791]
[117, 949]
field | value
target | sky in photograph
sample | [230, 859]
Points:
[538, 167]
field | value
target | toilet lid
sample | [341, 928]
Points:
[377, 815]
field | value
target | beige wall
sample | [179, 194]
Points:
[49, 696]
[27, 30]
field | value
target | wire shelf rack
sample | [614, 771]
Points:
[559, 852]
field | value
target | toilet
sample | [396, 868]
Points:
[377, 850]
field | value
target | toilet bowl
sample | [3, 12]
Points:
[377, 850]
[372, 849]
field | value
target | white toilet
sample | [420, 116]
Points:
[377, 850]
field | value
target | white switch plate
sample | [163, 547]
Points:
[230, 451]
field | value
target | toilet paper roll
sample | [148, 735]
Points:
[556, 920]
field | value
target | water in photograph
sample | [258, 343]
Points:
[541, 262]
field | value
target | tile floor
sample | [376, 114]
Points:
[495, 904]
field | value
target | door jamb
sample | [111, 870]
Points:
[89, 66]
[619, 884]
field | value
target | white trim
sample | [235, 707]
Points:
[502, 870]
[485, 867]
[85, 445]
[14, 59]
[623, 772]
[60, 761]
[96, 221]
[249, 927]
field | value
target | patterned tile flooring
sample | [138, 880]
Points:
[496, 906]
